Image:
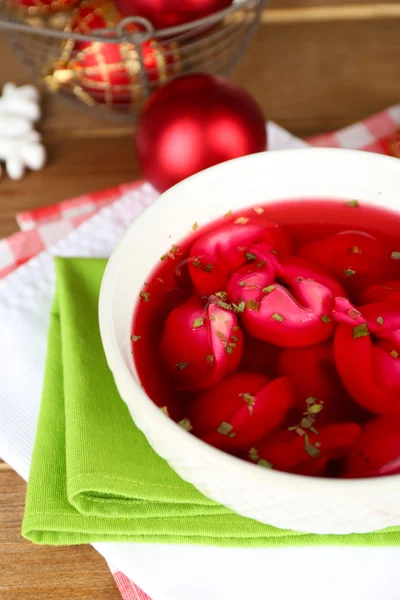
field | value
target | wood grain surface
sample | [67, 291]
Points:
[314, 66]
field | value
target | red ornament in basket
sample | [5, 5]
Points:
[107, 73]
[170, 13]
[40, 7]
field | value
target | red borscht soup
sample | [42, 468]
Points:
[273, 334]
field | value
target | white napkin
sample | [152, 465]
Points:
[165, 572]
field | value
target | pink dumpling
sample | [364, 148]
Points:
[200, 345]
[214, 256]
[289, 304]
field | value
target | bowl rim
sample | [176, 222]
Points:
[149, 409]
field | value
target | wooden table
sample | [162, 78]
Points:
[314, 65]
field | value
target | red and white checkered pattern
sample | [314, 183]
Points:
[42, 227]
[376, 133]
[129, 591]
[75, 210]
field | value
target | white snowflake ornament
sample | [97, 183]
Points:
[20, 144]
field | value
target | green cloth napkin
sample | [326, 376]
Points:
[93, 475]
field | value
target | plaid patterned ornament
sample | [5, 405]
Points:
[41, 7]
[102, 73]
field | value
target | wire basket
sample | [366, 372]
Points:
[66, 60]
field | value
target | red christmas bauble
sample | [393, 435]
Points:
[88, 16]
[170, 13]
[105, 73]
[111, 73]
[194, 122]
[37, 7]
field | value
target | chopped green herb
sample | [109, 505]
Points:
[195, 226]
[196, 262]
[349, 272]
[210, 359]
[221, 336]
[135, 338]
[273, 251]
[164, 409]
[234, 338]
[360, 331]
[253, 304]
[394, 354]
[250, 256]
[380, 321]
[182, 365]
[235, 328]
[185, 424]
[198, 323]
[277, 317]
[311, 400]
[353, 204]
[250, 401]
[225, 428]
[253, 454]
[314, 409]
[242, 283]
[265, 463]
[225, 305]
[207, 268]
[261, 264]
[164, 257]
[222, 295]
[306, 423]
[395, 255]
[325, 319]
[228, 214]
[310, 449]
[353, 313]
[145, 296]
[239, 308]
[268, 289]
[241, 221]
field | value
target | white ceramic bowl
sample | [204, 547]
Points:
[280, 499]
